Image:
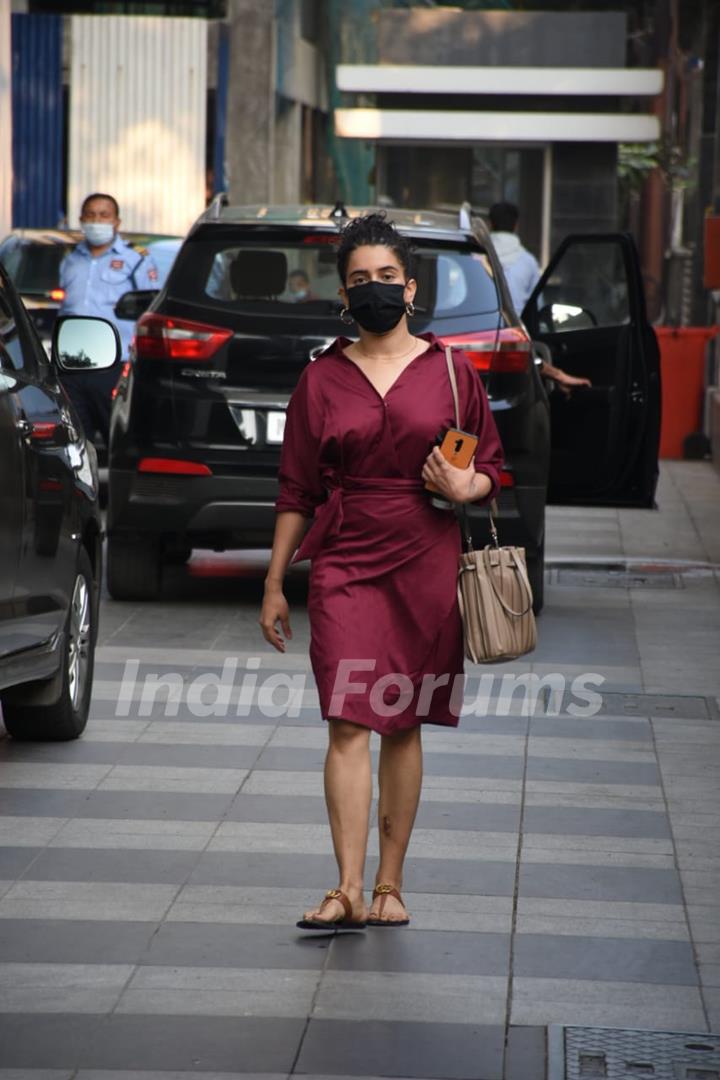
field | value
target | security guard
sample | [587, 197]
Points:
[100, 270]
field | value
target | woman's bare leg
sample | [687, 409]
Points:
[348, 794]
[400, 780]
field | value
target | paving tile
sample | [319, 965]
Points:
[604, 750]
[133, 833]
[408, 950]
[163, 1074]
[594, 728]
[95, 864]
[55, 941]
[592, 772]
[150, 805]
[178, 944]
[15, 861]
[203, 1043]
[219, 991]
[77, 751]
[37, 1074]
[203, 757]
[598, 918]
[53, 1041]
[525, 1053]
[40, 803]
[584, 882]
[22, 774]
[65, 988]
[624, 822]
[318, 872]
[282, 906]
[392, 996]
[161, 778]
[309, 809]
[442, 1051]
[613, 959]
[86, 900]
[234, 731]
[471, 817]
[606, 1004]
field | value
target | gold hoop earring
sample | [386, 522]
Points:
[410, 308]
[346, 317]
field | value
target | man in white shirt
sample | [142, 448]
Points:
[522, 273]
[521, 268]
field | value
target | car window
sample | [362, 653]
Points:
[33, 267]
[588, 287]
[297, 276]
[12, 357]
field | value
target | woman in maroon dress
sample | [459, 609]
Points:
[386, 638]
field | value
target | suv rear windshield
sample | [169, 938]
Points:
[294, 274]
[34, 266]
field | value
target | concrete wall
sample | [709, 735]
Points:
[538, 39]
[251, 101]
[584, 189]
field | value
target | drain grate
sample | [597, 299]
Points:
[620, 579]
[585, 1053]
[681, 706]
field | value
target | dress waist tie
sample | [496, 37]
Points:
[328, 519]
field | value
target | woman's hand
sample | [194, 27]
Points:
[275, 609]
[458, 485]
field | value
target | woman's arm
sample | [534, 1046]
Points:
[301, 490]
[290, 526]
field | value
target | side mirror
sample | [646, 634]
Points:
[84, 343]
[134, 304]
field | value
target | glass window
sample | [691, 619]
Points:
[34, 268]
[298, 277]
[11, 352]
[588, 287]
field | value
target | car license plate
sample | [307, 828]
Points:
[275, 427]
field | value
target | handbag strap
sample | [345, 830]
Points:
[453, 384]
[492, 509]
[522, 577]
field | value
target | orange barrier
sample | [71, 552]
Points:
[682, 374]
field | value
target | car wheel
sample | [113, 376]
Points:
[536, 575]
[176, 554]
[67, 693]
[134, 570]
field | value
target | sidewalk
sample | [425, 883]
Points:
[564, 869]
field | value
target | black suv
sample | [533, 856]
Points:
[50, 529]
[252, 297]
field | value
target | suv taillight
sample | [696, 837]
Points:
[165, 337]
[508, 351]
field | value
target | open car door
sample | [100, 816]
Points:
[588, 309]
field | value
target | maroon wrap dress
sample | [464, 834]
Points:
[386, 637]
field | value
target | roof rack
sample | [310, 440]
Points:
[465, 216]
[219, 201]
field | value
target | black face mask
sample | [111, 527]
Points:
[376, 306]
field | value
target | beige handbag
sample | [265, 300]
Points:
[494, 592]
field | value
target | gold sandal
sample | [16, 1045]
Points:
[383, 891]
[345, 922]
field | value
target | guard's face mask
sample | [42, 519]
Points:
[97, 233]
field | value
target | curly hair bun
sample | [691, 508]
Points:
[372, 230]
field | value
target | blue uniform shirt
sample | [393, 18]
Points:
[93, 286]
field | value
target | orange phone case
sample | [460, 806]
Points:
[458, 447]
